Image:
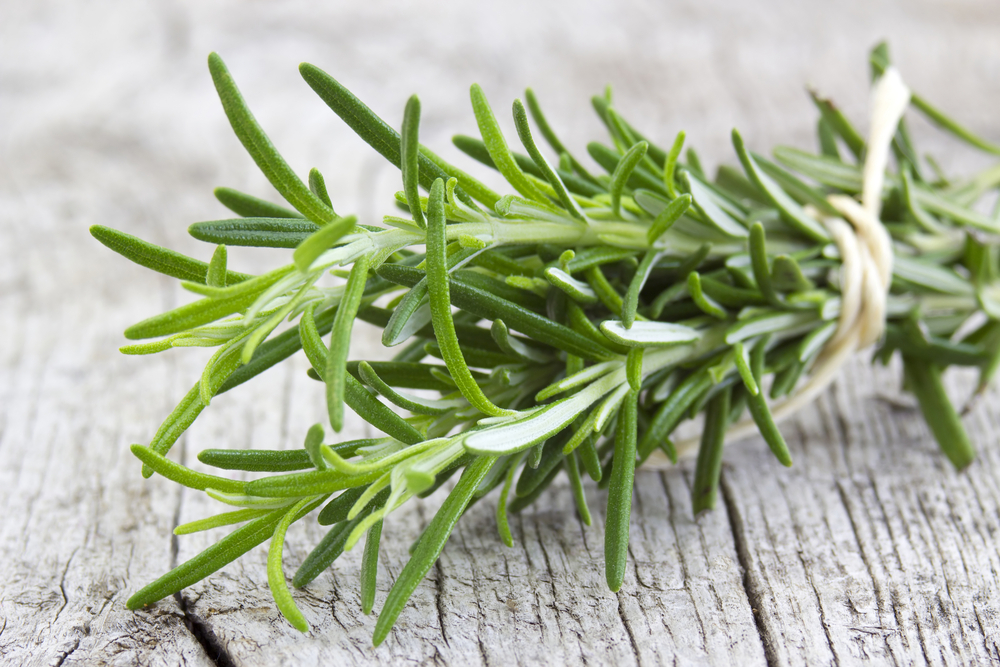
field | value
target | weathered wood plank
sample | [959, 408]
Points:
[79, 523]
[872, 547]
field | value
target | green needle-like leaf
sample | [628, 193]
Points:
[249, 206]
[254, 232]
[216, 276]
[335, 372]
[185, 476]
[670, 166]
[380, 136]
[514, 347]
[743, 367]
[706, 201]
[369, 568]
[761, 413]
[502, 524]
[275, 573]
[839, 124]
[237, 298]
[410, 159]
[314, 440]
[706, 303]
[221, 553]
[577, 290]
[791, 210]
[256, 460]
[219, 520]
[667, 217]
[337, 509]
[318, 186]
[597, 256]
[440, 303]
[631, 301]
[607, 294]
[320, 241]
[579, 496]
[709, 466]
[649, 334]
[761, 269]
[623, 170]
[946, 123]
[498, 149]
[415, 404]
[524, 133]
[262, 150]
[620, 494]
[944, 422]
[158, 259]
[430, 545]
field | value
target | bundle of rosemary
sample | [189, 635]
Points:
[571, 326]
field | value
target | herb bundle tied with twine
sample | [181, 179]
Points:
[572, 326]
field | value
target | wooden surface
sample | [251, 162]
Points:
[869, 548]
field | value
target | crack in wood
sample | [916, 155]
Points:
[743, 554]
[214, 648]
[62, 658]
[628, 629]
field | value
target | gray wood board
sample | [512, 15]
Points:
[870, 548]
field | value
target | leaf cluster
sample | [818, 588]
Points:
[570, 326]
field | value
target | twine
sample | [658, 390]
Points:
[866, 268]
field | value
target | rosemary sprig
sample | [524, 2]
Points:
[580, 321]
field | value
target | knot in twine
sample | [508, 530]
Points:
[866, 260]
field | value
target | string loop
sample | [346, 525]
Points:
[866, 261]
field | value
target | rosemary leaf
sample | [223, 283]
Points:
[620, 494]
[156, 258]
[249, 206]
[260, 148]
[335, 370]
[430, 545]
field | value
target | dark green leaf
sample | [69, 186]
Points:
[335, 370]
[380, 136]
[221, 553]
[158, 259]
[332, 544]
[249, 206]
[369, 568]
[262, 150]
[440, 304]
[762, 414]
[256, 460]
[430, 545]
[620, 494]
[709, 466]
[487, 306]
[623, 170]
[410, 161]
[524, 133]
[254, 232]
